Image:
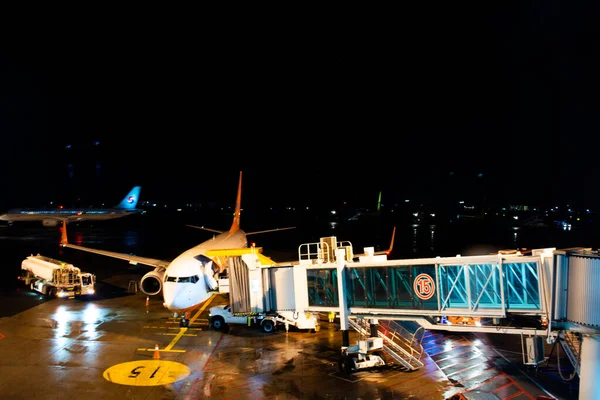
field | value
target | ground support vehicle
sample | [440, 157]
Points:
[366, 354]
[56, 278]
[221, 316]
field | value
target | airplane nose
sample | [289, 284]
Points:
[177, 297]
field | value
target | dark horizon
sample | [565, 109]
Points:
[504, 91]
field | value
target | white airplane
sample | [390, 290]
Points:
[54, 216]
[187, 281]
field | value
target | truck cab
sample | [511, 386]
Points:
[220, 316]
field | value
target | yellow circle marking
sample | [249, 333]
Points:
[146, 373]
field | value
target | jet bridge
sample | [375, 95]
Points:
[548, 294]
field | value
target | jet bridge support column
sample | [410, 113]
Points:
[373, 325]
[340, 255]
[589, 375]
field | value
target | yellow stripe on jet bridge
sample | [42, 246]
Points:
[264, 260]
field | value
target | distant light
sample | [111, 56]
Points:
[407, 201]
[461, 202]
[179, 209]
[333, 212]
[96, 143]
[68, 146]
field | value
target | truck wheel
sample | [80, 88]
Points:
[268, 326]
[218, 323]
[52, 292]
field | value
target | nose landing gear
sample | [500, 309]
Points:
[184, 322]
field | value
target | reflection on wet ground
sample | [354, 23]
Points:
[69, 345]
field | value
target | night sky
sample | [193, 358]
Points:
[499, 103]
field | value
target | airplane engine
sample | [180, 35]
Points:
[151, 283]
[49, 222]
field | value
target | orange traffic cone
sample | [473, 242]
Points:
[147, 301]
[156, 352]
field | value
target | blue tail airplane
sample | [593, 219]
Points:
[55, 216]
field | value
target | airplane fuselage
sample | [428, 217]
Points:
[60, 214]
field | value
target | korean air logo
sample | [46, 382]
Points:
[131, 199]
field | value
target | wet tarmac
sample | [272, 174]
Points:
[128, 346]
[123, 345]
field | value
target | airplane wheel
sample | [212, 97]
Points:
[218, 323]
[268, 326]
[184, 323]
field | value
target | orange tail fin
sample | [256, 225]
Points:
[235, 226]
[63, 239]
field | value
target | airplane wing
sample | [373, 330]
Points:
[151, 262]
[247, 233]
[205, 229]
[270, 230]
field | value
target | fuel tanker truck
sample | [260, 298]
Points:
[56, 278]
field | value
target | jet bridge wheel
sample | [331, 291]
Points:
[346, 364]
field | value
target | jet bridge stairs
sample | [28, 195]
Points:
[402, 345]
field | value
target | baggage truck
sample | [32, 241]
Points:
[56, 278]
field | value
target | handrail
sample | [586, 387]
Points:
[391, 347]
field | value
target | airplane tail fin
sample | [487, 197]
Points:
[389, 250]
[63, 238]
[130, 201]
[235, 226]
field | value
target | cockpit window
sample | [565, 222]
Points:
[188, 279]
[183, 279]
